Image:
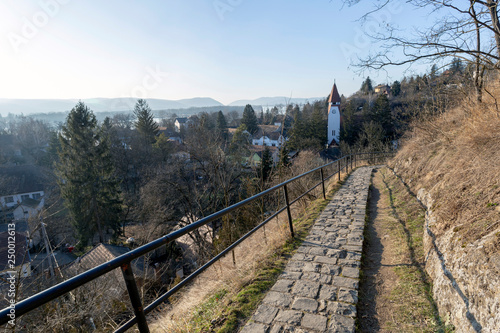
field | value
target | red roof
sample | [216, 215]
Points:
[334, 95]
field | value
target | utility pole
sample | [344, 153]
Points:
[47, 248]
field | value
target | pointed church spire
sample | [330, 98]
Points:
[334, 95]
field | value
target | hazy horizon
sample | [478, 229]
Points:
[173, 50]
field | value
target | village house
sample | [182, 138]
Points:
[269, 135]
[113, 281]
[22, 195]
[22, 260]
[180, 123]
[382, 89]
[256, 152]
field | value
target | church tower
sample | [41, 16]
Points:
[334, 117]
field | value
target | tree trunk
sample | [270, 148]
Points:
[98, 220]
[478, 77]
[493, 8]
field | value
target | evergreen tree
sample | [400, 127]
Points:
[268, 118]
[284, 158]
[456, 66]
[318, 124]
[250, 119]
[240, 143]
[145, 123]
[85, 170]
[221, 126]
[367, 86]
[266, 164]
[396, 88]
[298, 131]
[434, 71]
[349, 128]
[381, 113]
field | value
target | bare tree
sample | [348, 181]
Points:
[468, 30]
[191, 185]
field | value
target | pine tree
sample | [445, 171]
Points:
[396, 88]
[145, 123]
[250, 119]
[266, 164]
[381, 113]
[456, 66]
[283, 157]
[318, 124]
[221, 126]
[349, 128]
[367, 86]
[85, 170]
[240, 143]
[299, 131]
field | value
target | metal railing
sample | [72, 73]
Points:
[124, 261]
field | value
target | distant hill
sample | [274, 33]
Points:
[30, 106]
[37, 106]
[271, 101]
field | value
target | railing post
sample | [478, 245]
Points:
[338, 167]
[323, 183]
[352, 156]
[290, 223]
[347, 163]
[135, 298]
[355, 159]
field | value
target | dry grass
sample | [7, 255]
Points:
[411, 296]
[456, 157]
[226, 278]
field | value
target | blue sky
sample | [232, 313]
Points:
[175, 49]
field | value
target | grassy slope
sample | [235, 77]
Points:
[227, 311]
[456, 158]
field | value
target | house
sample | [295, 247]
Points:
[22, 194]
[382, 89]
[180, 123]
[255, 158]
[22, 227]
[269, 135]
[170, 135]
[27, 208]
[112, 282]
[175, 139]
[22, 261]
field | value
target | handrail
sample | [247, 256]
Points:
[124, 260]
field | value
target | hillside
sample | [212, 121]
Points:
[271, 101]
[452, 162]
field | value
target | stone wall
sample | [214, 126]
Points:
[466, 281]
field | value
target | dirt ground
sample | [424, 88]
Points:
[395, 293]
[376, 308]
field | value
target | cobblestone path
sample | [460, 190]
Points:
[318, 291]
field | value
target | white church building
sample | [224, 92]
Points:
[334, 117]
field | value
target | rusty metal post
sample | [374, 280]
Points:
[323, 183]
[135, 298]
[290, 223]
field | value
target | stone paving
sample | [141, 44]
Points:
[318, 291]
